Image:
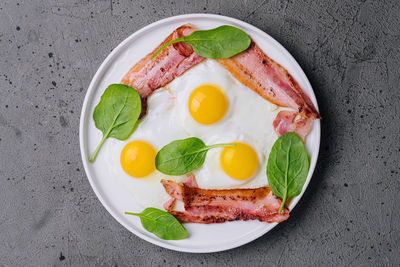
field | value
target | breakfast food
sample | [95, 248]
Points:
[210, 101]
[213, 106]
[218, 206]
[290, 121]
[172, 115]
[148, 75]
[270, 80]
[252, 67]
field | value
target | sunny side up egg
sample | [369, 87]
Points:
[208, 103]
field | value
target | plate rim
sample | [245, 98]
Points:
[91, 89]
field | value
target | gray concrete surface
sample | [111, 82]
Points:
[49, 51]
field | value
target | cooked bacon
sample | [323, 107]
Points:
[189, 182]
[217, 206]
[169, 204]
[148, 75]
[270, 80]
[292, 121]
[252, 68]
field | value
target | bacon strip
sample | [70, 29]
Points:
[148, 75]
[252, 68]
[189, 182]
[292, 121]
[218, 206]
[270, 80]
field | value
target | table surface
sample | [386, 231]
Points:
[49, 52]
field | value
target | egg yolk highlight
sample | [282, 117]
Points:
[137, 159]
[207, 104]
[240, 162]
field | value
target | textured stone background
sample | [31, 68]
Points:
[49, 52]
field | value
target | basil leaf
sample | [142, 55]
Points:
[222, 42]
[117, 113]
[287, 167]
[161, 223]
[182, 156]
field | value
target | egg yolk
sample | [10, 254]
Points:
[240, 162]
[207, 104]
[137, 159]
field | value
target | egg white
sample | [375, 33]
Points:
[248, 119]
[158, 129]
[208, 72]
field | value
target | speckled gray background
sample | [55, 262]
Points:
[49, 52]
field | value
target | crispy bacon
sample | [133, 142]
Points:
[292, 121]
[148, 75]
[217, 206]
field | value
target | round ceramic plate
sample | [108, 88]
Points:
[117, 199]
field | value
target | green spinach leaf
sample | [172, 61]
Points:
[161, 223]
[117, 113]
[182, 156]
[222, 42]
[287, 167]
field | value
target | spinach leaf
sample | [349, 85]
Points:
[182, 156]
[287, 167]
[222, 42]
[161, 223]
[117, 113]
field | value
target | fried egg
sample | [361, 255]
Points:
[208, 103]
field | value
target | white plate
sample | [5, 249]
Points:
[114, 197]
